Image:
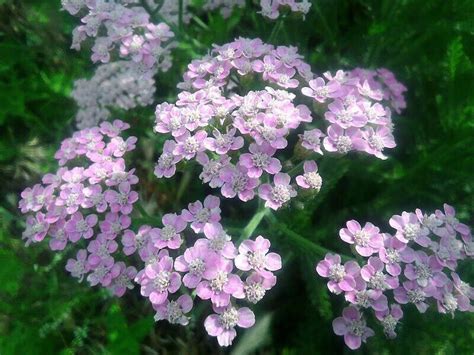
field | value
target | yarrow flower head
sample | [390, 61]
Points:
[236, 136]
[409, 267]
[205, 266]
[87, 201]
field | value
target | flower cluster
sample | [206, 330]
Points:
[125, 30]
[357, 118]
[235, 137]
[272, 8]
[114, 85]
[207, 263]
[88, 203]
[416, 265]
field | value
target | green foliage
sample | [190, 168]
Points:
[427, 44]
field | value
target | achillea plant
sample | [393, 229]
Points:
[415, 265]
[256, 121]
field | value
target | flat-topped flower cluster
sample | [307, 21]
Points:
[121, 30]
[89, 202]
[416, 265]
[192, 253]
[235, 135]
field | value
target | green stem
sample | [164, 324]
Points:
[142, 210]
[184, 183]
[275, 30]
[299, 240]
[253, 224]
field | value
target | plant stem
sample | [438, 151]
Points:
[299, 240]
[253, 223]
[184, 183]
[275, 30]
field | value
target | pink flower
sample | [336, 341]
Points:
[101, 49]
[114, 223]
[462, 287]
[71, 197]
[278, 194]
[256, 285]
[367, 298]
[34, 199]
[222, 143]
[376, 279]
[451, 222]
[121, 200]
[310, 179]
[219, 283]
[341, 277]
[395, 252]
[353, 327]
[196, 115]
[259, 159]
[159, 279]
[411, 292]
[100, 248]
[219, 241]
[118, 175]
[123, 280]
[59, 236]
[426, 271]
[36, 228]
[253, 255]
[270, 134]
[367, 240]
[377, 140]
[188, 146]
[222, 325]
[166, 164]
[366, 90]
[343, 141]
[195, 261]
[203, 218]
[169, 236]
[113, 129]
[320, 91]
[237, 182]
[174, 311]
[79, 227]
[104, 272]
[169, 119]
[78, 267]
[311, 140]
[268, 66]
[389, 319]
[139, 241]
[345, 117]
[94, 198]
[409, 229]
[449, 300]
[211, 169]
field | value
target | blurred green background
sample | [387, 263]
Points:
[429, 45]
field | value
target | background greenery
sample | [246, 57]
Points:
[428, 44]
